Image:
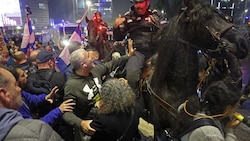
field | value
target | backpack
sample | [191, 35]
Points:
[37, 85]
[192, 126]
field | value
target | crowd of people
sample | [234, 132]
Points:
[85, 102]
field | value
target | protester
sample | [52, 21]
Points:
[120, 46]
[73, 45]
[220, 101]
[21, 60]
[94, 55]
[32, 60]
[7, 60]
[32, 100]
[83, 86]
[45, 79]
[13, 126]
[116, 116]
[143, 26]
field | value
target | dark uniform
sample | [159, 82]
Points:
[142, 29]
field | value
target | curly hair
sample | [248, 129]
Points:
[116, 97]
[219, 95]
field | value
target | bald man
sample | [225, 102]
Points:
[13, 126]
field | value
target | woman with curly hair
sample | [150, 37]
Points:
[219, 103]
[117, 114]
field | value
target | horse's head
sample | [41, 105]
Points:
[198, 26]
[92, 32]
[208, 28]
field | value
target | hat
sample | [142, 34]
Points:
[44, 56]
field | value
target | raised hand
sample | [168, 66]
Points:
[50, 96]
[131, 50]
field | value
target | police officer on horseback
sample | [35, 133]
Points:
[102, 26]
[141, 25]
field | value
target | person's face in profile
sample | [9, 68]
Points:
[12, 92]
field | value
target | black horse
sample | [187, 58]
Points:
[198, 26]
[97, 38]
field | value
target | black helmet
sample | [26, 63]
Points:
[99, 13]
[137, 0]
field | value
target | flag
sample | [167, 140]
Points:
[63, 59]
[28, 36]
[3, 47]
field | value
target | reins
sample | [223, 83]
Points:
[206, 73]
[165, 105]
[216, 36]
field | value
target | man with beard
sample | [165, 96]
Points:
[13, 126]
[143, 26]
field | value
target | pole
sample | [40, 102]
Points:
[76, 3]
[244, 14]
[84, 15]
[74, 10]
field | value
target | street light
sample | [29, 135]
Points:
[246, 10]
[88, 3]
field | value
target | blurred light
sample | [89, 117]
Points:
[33, 27]
[88, 3]
[246, 10]
[19, 27]
[65, 42]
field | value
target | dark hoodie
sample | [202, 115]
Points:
[8, 119]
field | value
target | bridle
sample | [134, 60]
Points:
[216, 36]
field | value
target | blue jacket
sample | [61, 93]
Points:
[31, 100]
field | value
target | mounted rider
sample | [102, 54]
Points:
[101, 26]
[142, 25]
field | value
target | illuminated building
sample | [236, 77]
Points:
[103, 6]
[237, 9]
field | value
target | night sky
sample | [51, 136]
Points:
[62, 9]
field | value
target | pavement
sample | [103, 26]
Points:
[242, 132]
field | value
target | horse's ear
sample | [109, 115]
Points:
[87, 19]
[189, 3]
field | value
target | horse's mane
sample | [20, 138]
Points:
[175, 76]
[189, 25]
